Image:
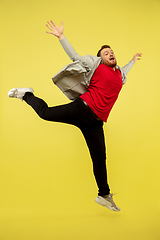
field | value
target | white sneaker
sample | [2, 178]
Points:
[19, 92]
[107, 202]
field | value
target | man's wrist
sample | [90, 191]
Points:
[61, 37]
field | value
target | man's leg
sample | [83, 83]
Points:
[68, 113]
[95, 140]
[94, 137]
[64, 113]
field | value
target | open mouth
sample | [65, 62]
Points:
[111, 59]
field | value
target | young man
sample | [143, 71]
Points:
[94, 84]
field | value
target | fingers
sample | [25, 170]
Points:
[55, 30]
[139, 54]
[49, 25]
[49, 32]
[53, 23]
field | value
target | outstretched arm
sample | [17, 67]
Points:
[58, 32]
[128, 66]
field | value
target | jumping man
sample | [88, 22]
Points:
[93, 84]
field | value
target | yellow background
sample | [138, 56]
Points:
[47, 188]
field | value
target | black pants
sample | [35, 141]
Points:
[78, 114]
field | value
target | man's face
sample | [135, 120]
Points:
[108, 57]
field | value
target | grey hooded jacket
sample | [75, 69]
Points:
[74, 79]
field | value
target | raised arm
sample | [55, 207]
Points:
[128, 66]
[88, 62]
[58, 32]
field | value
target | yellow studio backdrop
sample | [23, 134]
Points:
[47, 186]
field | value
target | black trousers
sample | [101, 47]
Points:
[78, 114]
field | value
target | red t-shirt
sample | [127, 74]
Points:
[103, 90]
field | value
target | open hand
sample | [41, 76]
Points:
[55, 30]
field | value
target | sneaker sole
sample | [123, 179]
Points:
[100, 200]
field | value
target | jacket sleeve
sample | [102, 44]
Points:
[87, 61]
[127, 67]
[124, 70]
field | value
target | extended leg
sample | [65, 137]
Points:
[66, 113]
